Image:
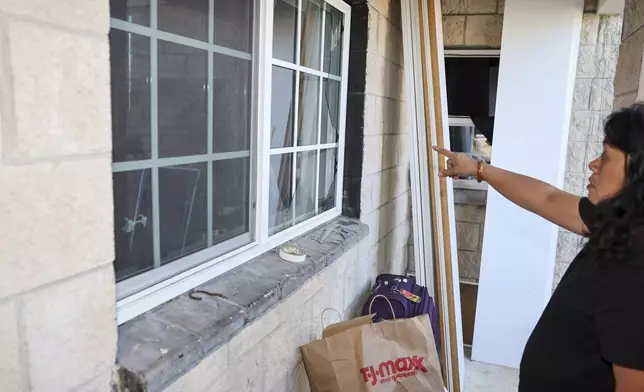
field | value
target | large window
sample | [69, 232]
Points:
[201, 173]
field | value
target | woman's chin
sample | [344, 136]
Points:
[592, 195]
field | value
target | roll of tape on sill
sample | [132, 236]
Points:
[292, 254]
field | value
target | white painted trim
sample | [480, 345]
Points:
[263, 134]
[472, 52]
[320, 108]
[423, 241]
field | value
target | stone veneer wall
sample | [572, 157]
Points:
[472, 23]
[629, 77]
[592, 102]
[264, 356]
[57, 299]
[478, 24]
[469, 209]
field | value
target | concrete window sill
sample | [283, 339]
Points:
[161, 345]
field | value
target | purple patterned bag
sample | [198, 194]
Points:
[393, 287]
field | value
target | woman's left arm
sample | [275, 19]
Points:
[628, 380]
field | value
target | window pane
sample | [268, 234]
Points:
[182, 100]
[130, 73]
[182, 205]
[311, 33]
[231, 198]
[284, 28]
[282, 109]
[231, 104]
[330, 111]
[234, 24]
[134, 11]
[333, 40]
[280, 193]
[328, 174]
[307, 133]
[188, 18]
[305, 191]
[133, 223]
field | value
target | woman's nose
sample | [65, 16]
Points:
[594, 165]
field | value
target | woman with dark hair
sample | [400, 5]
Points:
[590, 336]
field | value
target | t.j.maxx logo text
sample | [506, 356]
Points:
[393, 370]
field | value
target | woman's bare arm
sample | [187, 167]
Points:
[555, 205]
[545, 200]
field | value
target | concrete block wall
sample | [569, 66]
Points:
[472, 23]
[630, 67]
[470, 220]
[478, 23]
[592, 103]
[57, 300]
[385, 192]
[265, 356]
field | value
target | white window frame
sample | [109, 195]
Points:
[202, 266]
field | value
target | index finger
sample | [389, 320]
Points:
[444, 152]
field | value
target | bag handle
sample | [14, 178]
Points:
[386, 299]
[322, 316]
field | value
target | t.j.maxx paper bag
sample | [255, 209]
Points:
[390, 356]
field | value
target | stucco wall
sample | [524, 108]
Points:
[592, 102]
[57, 301]
[265, 355]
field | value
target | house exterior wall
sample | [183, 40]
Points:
[472, 23]
[57, 288]
[264, 356]
[592, 102]
[629, 78]
[469, 211]
[57, 300]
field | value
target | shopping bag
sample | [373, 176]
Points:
[390, 356]
[337, 328]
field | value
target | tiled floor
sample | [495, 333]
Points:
[481, 377]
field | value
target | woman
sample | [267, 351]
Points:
[591, 335]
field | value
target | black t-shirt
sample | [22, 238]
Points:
[594, 319]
